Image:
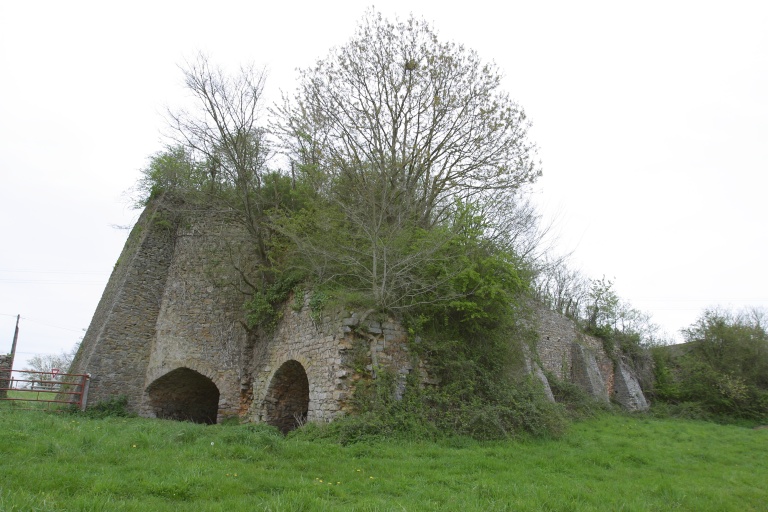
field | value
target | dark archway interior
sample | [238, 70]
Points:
[184, 395]
[287, 400]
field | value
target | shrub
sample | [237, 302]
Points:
[578, 403]
[722, 368]
[114, 407]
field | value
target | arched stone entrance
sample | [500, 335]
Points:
[184, 395]
[287, 400]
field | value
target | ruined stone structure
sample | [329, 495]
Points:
[169, 335]
[572, 356]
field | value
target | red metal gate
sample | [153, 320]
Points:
[28, 388]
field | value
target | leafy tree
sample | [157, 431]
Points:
[602, 310]
[172, 171]
[723, 366]
[399, 132]
[731, 343]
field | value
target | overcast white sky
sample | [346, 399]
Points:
[651, 119]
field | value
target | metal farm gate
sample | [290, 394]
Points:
[43, 390]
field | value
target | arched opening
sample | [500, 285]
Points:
[287, 400]
[184, 395]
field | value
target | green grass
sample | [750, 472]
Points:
[53, 462]
[31, 400]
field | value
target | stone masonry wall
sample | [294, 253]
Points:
[334, 351]
[169, 334]
[115, 349]
[200, 322]
[576, 357]
[169, 330]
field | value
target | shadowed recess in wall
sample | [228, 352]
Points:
[287, 400]
[184, 395]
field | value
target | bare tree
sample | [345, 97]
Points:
[562, 288]
[515, 225]
[46, 362]
[223, 133]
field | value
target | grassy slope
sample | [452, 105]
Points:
[60, 462]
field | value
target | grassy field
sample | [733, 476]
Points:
[61, 462]
[31, 400]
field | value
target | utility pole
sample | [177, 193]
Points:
[6, 374]
[15, 339]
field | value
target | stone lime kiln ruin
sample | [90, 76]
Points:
[169, 335]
